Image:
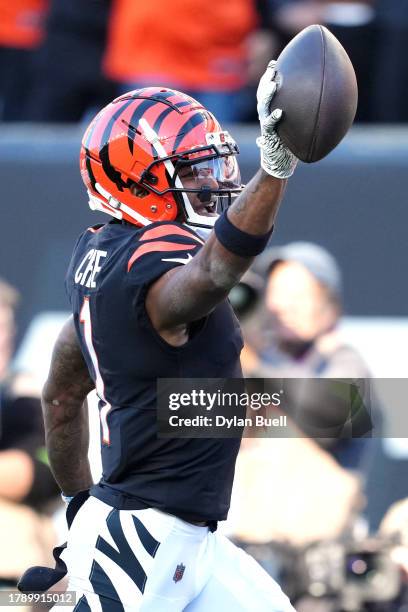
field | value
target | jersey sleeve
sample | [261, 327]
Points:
[159, 249]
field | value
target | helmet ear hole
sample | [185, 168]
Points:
[149, 177]
[138, 191]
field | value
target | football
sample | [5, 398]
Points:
[317, 91]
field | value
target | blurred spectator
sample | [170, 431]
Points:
[315, 485]
[21, 31]
[391, 65]
[295, 335]
[209, 50]
[26, 484]
[68, 80]
[395, 526]
[300, 311]
[351, 21]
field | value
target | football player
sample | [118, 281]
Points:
[148, 293]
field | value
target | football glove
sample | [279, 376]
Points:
[276, 159]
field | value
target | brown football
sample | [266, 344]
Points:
[317, 91]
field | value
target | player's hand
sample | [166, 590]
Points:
[264, 94]
[276, 159]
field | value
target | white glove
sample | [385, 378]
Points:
[276, 159]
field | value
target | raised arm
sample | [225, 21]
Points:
[66, 415]
[187, 293]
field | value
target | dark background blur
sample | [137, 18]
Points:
[61, 60]
[353, 203]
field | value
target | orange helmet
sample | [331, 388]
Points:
[135, 148]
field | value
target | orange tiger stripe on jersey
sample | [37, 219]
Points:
[160, 245]
[166, 230]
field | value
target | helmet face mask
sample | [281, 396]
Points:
[156, 154]
[204, 183]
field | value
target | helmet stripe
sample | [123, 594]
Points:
[159, 121]
[189, 125]
[140, 111]
[110, 171]
[88, 164]
[89, 168]
[134, 121]
[163, 96]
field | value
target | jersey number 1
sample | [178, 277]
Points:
[85, 319]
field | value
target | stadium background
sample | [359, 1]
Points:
[353, 203]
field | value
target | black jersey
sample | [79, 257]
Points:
[111, 269]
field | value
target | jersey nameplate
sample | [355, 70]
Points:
[89, 267]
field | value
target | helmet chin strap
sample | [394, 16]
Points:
[96, 203]
[99, 204]
[115, 206]
[200, 224]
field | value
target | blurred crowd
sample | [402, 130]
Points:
[29, 495]
[60, 60]
[300, 504]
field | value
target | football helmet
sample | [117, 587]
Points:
[156, 154]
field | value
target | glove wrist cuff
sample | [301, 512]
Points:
[276, 159]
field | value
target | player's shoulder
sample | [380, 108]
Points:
[88, 233]
[163, 241]
[112, 232]
[95, 229]
[174, 231]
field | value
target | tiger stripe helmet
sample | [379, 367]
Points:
[134, 148]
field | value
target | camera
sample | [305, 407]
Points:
[245, 295]
[336, 575]
[358, 576]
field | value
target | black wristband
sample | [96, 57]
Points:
[239, 242]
